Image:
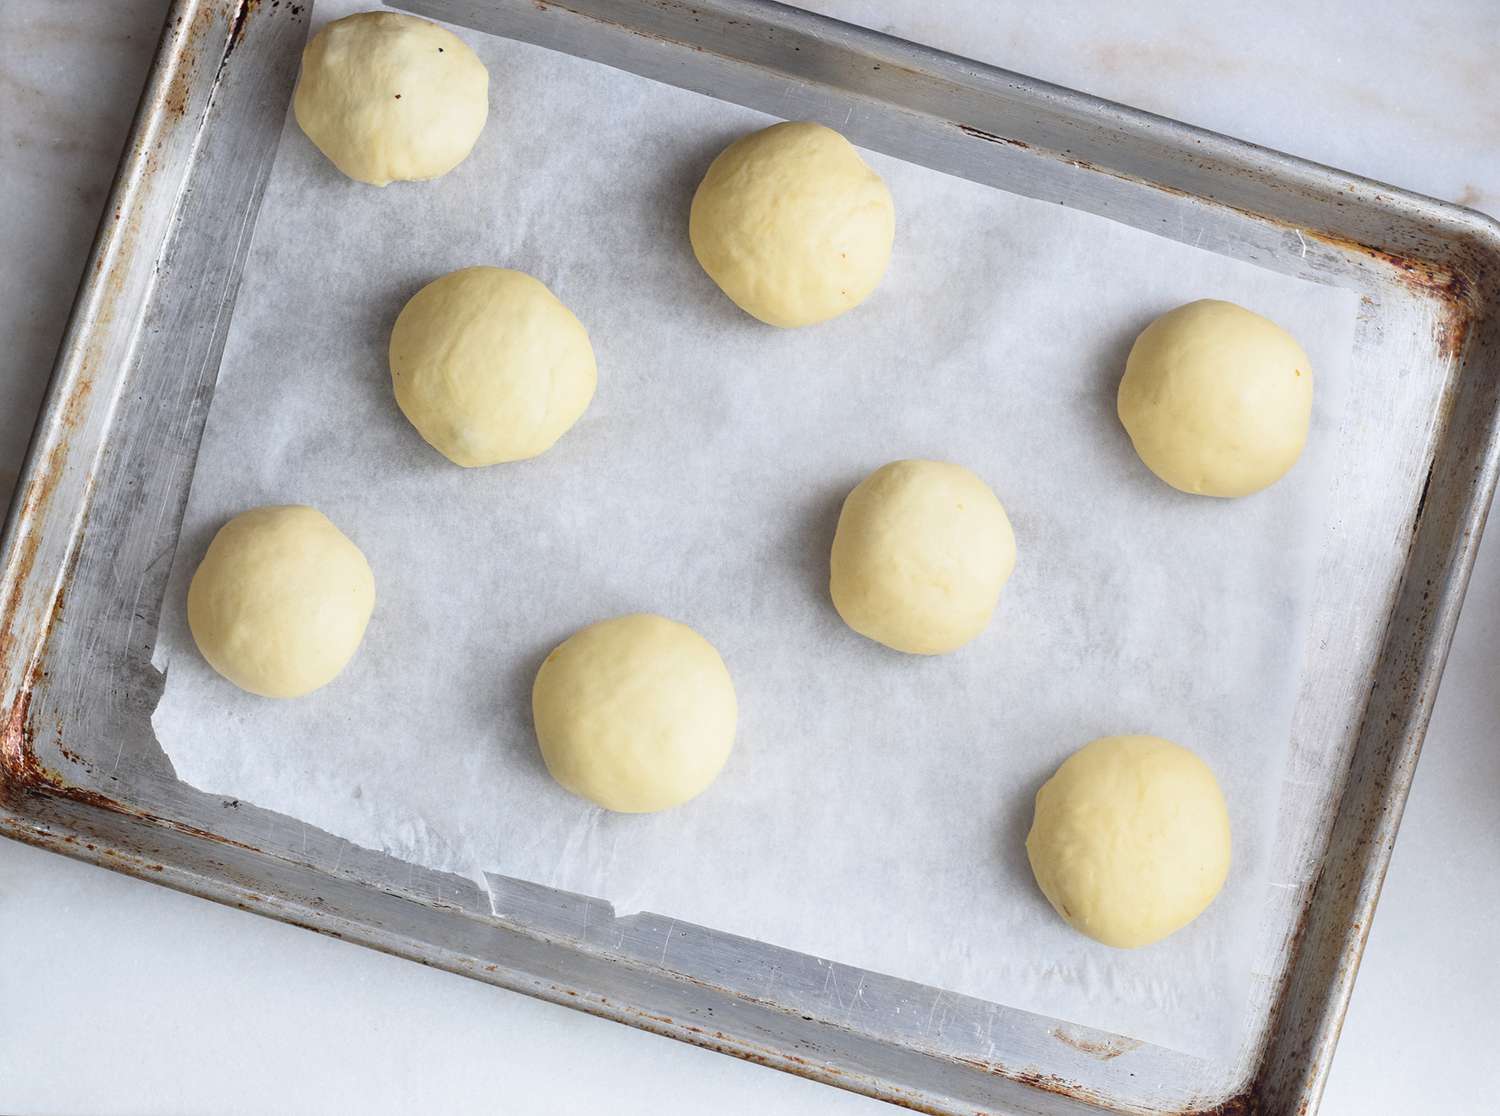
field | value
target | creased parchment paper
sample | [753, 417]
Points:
[875, 807]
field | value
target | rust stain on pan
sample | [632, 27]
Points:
[237, 27]
[38, 492]
[1242, 1105]
[1051, 1083]
[991, 137]
[1035, 1079]
[1443, 282]
[20, 765]
[1453, 289]
[175, 100]
[180, 827]
[722, 1043]
[1103, 1049]
[73, 413]
[813, 1070]
[174, 103]
[21, 772]
[18, 760]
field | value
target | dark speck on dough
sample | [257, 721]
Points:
[398, 97]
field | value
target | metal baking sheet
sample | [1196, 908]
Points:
[437, 765]
[95, 523]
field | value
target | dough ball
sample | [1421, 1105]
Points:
[1217, 400]
[1131, 839]
[792, 224]
[390, 97]
[489, 366]
[635, 713]
[921, 553]
[280, 602]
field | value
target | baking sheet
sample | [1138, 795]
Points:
[875, 807]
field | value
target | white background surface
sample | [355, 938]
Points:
[123, 997]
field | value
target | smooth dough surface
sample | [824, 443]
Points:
[636, 713]
[1130, 841]
[280, 601]
[920, 555]
[1216, 399]
[489, 366]
[792, 224]
[390, 97]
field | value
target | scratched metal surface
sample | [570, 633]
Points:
[89, 541]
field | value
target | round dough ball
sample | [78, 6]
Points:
[635, 713]
[921, 553]
[1131, 839]
[390, 97]
[489, 366]
[792, 224]
[280, 602]
[1216, 399]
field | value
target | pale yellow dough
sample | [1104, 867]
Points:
[390, 97]
[489, 366]
[920, 555]
[280, 601]
[636, 713]
[792, 224]
[1131, 839]
[1216, 399]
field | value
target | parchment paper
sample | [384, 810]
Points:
[876, 804]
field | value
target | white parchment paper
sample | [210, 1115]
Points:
[876, 804]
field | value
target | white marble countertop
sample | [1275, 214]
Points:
[122, 997]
